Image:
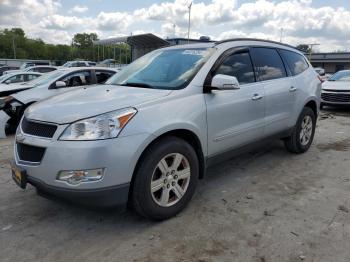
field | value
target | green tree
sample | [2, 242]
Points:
[304, 48]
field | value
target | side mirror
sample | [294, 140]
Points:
[60, 84]
[7, 82]
[224, 82]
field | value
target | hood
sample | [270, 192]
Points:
[13, 87]
[91, 101]
[31, 93]
[336, 85]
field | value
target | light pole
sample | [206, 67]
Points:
[14, 47]
[189, 22]
[281, 35]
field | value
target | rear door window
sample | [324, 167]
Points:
[238, 65]
[103, 75]
[268, 64]
[31, 77]
[296, 62]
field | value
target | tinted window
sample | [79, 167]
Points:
[31, 77]
[16, 79]
[267, 64]
[238, 65]
[296, 62]
[102, 76]
[77, 79]
[81, 64]
[45, 69]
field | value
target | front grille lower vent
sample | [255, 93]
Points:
[30, 153]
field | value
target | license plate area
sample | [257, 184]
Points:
[19, 175]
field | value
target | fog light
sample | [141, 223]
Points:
[75, 177]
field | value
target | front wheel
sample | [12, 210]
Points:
[165, 179]
[303, 133]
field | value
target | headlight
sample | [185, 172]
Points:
[103, 126]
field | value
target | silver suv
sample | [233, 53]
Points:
[149, 134]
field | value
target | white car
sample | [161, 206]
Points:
[50, 84]
[39, 69]
[20, 77]
[336, 91]
[79, 64]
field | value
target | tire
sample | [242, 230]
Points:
[295, 143]
[156, 165]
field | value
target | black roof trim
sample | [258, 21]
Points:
[255, 39]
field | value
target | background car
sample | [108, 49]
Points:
[18, 77]
[79, 64]
[336, 91]
[50, 84]
[39, 69]
[7, 68]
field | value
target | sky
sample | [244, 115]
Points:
[300, 21]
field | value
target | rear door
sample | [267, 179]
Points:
[235, 117]
[272, 75]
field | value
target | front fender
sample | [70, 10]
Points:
[3, 121]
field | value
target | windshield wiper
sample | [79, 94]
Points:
[137, 85]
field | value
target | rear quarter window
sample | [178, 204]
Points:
[296, 62]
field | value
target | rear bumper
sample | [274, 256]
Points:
[101, 197]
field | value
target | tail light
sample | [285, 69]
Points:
[320, 78]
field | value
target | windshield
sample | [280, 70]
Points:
[68, 64]
[46, 78]
[341, 76]
[4, 77]
[163, 69]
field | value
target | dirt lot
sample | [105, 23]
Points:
[264, 206]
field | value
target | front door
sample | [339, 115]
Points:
[235, 117]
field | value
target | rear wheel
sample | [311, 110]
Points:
[303, 133]
[165, 179]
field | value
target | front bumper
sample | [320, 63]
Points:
[101, 197]
[117, 157]
[335, 97]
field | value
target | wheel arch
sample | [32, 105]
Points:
[185, 134]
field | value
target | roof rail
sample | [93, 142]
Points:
[253, 39]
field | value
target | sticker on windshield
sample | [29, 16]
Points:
[194, 52]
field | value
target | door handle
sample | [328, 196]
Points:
[256, 97]
[292, 89]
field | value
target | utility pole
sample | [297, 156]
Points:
[14, 47]
[281, 35]
[189, 22]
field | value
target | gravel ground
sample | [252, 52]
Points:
[264, 206]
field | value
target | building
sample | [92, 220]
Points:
[145, 43]
[331, 62]
[184, 41]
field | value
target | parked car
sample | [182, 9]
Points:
[50, 84]
[108, 63]
[336, 91]
[79, 64]
[148, 135]
[35, 63]
[39, 69]
[7, 68]
[18, 78]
